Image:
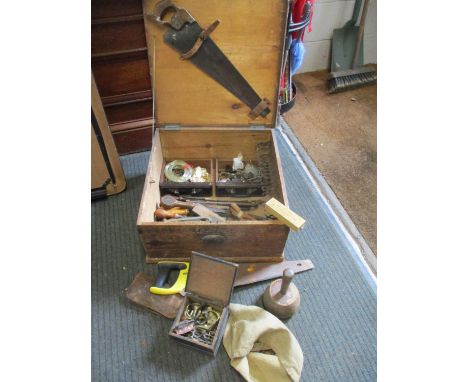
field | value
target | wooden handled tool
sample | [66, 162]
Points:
[282, 297]
[236, 211]
[170, 201]
[226, 201]
[179, 211]
[161, 214]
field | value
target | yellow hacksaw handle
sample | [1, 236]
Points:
[179, 285]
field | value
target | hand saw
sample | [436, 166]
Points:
[186, 36]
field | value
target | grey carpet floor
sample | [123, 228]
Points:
[335, 326]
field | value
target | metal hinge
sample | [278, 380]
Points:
[257, 127]
[173, 126]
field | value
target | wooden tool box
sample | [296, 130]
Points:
[210, 281]
[198, 119]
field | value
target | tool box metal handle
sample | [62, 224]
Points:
[213, 239]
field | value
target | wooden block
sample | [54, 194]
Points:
[284, 214]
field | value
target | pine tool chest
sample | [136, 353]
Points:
[215, 67]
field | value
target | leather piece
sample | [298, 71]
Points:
[203, 36]
[138, 293]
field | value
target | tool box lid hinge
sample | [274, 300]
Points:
[172, 126]
[257, 127]
[207, 300]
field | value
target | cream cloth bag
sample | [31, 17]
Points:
[261, 347]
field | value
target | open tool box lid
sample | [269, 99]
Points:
[211, 279]
[251, 34]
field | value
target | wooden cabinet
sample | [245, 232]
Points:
[119, 59]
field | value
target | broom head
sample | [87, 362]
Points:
[350, 79]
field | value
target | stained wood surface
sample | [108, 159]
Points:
[244, 241]
[211, 143]
[122, 76]
[134, 140]
[120, 113]
[114, 8]
[251, 34]
[211, 279]
[120, 63]
[111, 37]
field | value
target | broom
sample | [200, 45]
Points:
[354, 77]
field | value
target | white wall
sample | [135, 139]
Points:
[329, 15]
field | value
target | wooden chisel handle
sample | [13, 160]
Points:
[170, 201]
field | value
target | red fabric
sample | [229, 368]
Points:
[298, 8]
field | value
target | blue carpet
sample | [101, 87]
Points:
[336, 323]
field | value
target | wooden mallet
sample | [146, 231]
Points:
[282, 297]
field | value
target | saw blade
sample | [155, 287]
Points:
[212, 61]
[250, 273]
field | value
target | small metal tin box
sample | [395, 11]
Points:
[210, 282]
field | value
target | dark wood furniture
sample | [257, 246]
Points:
[119, 60]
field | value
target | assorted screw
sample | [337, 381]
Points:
[199, 323]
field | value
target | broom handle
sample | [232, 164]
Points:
[360, 34]
[356, 11]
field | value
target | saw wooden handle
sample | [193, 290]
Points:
[177, 21]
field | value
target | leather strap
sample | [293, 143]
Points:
[262, 106]
[205, 33]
